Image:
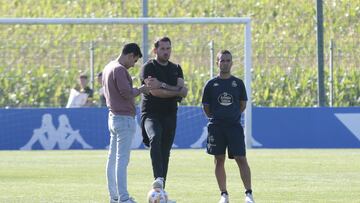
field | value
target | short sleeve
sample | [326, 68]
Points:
[242, 93]
[206, 97]
[146, 71]
[180, 72]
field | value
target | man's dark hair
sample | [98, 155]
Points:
[162, 39]
[84, 76]
[222, 52]
[132, 48]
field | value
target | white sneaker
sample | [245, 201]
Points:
[249, 198]
[130, 200]
[224, 198]
[170, 201]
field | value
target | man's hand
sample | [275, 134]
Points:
[144, 89]
[152, 83]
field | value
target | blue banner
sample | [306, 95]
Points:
[307, 127]
[86, 128]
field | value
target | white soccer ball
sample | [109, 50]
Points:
[157, 195]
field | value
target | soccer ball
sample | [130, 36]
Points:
[157, 195]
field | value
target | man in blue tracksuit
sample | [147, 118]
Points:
[224, 99]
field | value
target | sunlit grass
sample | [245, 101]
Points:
[295, 175]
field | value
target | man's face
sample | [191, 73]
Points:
[131, 60]
[224, 63]
[83, 82]
[163, 51]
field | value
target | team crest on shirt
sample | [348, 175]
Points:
[216, 84]
[234, 84]
[225, 99]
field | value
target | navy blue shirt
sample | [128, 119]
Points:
[224, 96]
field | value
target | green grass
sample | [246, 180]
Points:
[278, 176]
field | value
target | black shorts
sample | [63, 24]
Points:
[222, 136]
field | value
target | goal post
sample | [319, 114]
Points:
[144, 21]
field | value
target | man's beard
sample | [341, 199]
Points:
[224, 70]
[163, 59]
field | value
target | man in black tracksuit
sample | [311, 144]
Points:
[159, 108]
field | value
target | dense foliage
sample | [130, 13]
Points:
[39, 63]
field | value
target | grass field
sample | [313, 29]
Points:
[278, 176]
